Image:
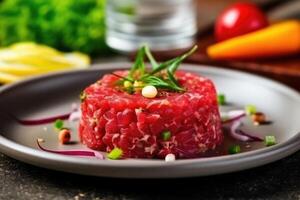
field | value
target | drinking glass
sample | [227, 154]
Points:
[162, 24]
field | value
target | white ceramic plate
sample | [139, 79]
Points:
[53, 94]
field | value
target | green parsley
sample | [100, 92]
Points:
[115, 154]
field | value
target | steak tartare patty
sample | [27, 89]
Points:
[112, 118]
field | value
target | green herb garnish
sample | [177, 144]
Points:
[82, 96]
[250, 109]
[234, 149]
[221, 99]
[161, 75]
[270, 140]
[58, 124]
[166, 135]
[115, 154]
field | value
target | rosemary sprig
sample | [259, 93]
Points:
[160, 83]
[153, 77]
[139, 65]
[151, 58]
[123, 77]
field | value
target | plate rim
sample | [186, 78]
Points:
[288, 147]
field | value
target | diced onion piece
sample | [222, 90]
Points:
[170, 157]
[149, 91]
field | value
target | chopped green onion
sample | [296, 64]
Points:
[82, 96]
[127, 84]
[59, 124]
[234, 149]
[166, 135]
[270, 140]
[115, 154]
[221, 99]
[250, 109]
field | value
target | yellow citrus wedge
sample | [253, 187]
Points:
[8, 78]
[24, 59]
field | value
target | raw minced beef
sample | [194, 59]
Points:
[113, 118]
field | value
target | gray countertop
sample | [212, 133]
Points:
[279, 180]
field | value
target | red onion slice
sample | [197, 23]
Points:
[75, 116]
[75, 107]
[234, 132]
[32, 122]
[240, 135]
[73, 152]
[253, 137]
[234, 115]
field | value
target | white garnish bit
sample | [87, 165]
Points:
[40, 140]
[149, 91]
[74, 107]
[99, 155]
[170, 157]
[75, 116]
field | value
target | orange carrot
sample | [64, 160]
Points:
[279, 39]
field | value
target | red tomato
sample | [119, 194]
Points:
[239, 19]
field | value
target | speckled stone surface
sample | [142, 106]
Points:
[280, 180]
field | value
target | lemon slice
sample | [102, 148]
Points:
[25, 59]
[8, 78]
[34, 48]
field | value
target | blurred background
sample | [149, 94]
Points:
[38, 36]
